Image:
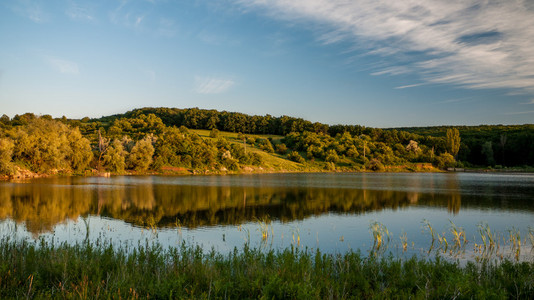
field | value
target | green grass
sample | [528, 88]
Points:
[270, 161]
[99, 270]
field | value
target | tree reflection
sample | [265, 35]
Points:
[40, 205]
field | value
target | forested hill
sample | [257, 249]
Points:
[483, 145]
[489, 145]
[197, 140]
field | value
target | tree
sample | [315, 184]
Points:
[267, 146]
[412, 146]
[140, 157]
[487, 150]
[445, 160]
[453, 141]
[295, 156]
[6, 154]
[80, 154]
[214, 133]
[115, 156]
[503, 143]
[331, 156]
[375, 165]
[281, 148]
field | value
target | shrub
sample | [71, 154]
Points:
[295, 156]
[445, 160]
[281, 148]
[214, 133]
[375, 165]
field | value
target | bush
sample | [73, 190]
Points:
[295, 156]
[281, 148]
[267, 146]
[214, 133]
[331, 156]
[444, 161]
[375, 165]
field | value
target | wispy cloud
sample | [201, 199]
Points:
[76, 11]
[212, 85]
[472, 43]
[127, 15]
[529, 102]
[520, 112]
[63, 66]
[408, 86]
[31, 9]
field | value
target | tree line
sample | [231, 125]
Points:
[154, 138]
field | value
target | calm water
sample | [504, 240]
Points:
[332, 212]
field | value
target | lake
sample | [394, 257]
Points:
[333, 212]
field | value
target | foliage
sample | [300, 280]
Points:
[214, 133]
[115, 157]
[281, 148]
[42, 144]
[375, 165]
[6, 154]
[453, 141]
[295, 156]
[140, 157]
[266, 146]
[445, 160]
[487, 150]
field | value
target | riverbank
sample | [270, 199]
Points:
[101, 271]
[22, 174]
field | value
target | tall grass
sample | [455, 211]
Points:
[29, 270]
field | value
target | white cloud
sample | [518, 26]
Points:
[472, 43]
[212, 85]
[138, 20]
[529, 102]
[63, 66]
[408, 86]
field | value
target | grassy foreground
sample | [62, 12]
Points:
[102, 271]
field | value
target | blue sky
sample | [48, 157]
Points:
[368, 62]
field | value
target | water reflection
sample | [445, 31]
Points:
[219, 200]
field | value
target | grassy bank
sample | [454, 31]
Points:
[101, 271]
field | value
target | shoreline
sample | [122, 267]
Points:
[175, 171]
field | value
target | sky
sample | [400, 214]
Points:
[375, 63]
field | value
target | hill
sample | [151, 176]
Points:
[172, 140]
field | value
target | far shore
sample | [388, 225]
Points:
[174, 171]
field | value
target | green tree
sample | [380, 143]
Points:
[140, 157]
[453, 141]
[375, 165]
[80, 154]
[115, 157]
[295, 156]
[267, 146]
[487, 151]
[444, 161]
[281, 148]
[331, 156]
[6, 154]
[214, 133]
